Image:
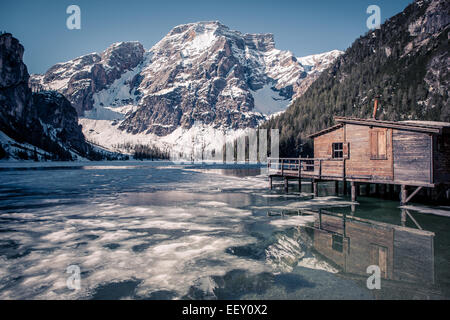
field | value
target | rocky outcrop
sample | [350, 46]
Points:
[79, 79]
[17, 116]
[60, 120]
[30, 121]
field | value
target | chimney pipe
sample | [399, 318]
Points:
[375, 107]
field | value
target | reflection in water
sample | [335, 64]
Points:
[403, 254]
[165, 231]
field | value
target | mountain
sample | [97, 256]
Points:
[79, 79]
[35, 126]
[405, 63]
[315, 64]
[200, 76]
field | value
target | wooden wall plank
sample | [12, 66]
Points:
[412, 161]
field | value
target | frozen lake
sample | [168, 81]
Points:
[155, 230]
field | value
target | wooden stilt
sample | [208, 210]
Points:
[270, 183]
[403, 217]
[353, 188]
[315, 189]
[403, 194]
[336, 187]
[396, 191]
[286, 185]
[412, 195]
[344, 222]
[320, 218]
[389, 191]
[299, 185]
[344, 187]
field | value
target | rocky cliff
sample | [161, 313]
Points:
[40, 125]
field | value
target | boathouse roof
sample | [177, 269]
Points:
[433, 127]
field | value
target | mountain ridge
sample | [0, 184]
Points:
[201, 72]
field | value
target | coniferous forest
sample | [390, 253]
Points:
[404, 64]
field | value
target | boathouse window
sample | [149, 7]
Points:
[338, 150]
[378, 145]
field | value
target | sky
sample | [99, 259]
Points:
[302, 27]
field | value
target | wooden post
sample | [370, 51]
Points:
[367, 189]
[429, 194]
[353, 187]
[299, 175]
[403, 217]
[320, 218]
[336, 187]
[286, 185]
[315, 189]
[403, 195]
[389, 191]
[412, 195]
[344, 218]
[320, 169]
[282, 167]
[270, 182]
[344, 182]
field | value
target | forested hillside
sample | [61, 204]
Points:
[405, 63]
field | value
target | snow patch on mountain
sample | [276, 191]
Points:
[268, 101]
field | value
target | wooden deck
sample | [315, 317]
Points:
[318, 169]
[328, 169]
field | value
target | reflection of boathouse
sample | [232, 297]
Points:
[402, 253]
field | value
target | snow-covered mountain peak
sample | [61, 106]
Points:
[319, 62]
[201, 72]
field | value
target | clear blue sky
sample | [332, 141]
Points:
[303, 27]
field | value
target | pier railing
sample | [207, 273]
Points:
[307, 167]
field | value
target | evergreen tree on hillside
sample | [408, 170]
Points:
[389, 63]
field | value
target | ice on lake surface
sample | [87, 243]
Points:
[155, 230]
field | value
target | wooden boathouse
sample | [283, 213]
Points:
[411, 154]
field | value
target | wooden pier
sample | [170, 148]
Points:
[410, 157]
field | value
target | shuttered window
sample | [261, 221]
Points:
[378, 145]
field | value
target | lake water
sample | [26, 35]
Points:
[155, 230]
